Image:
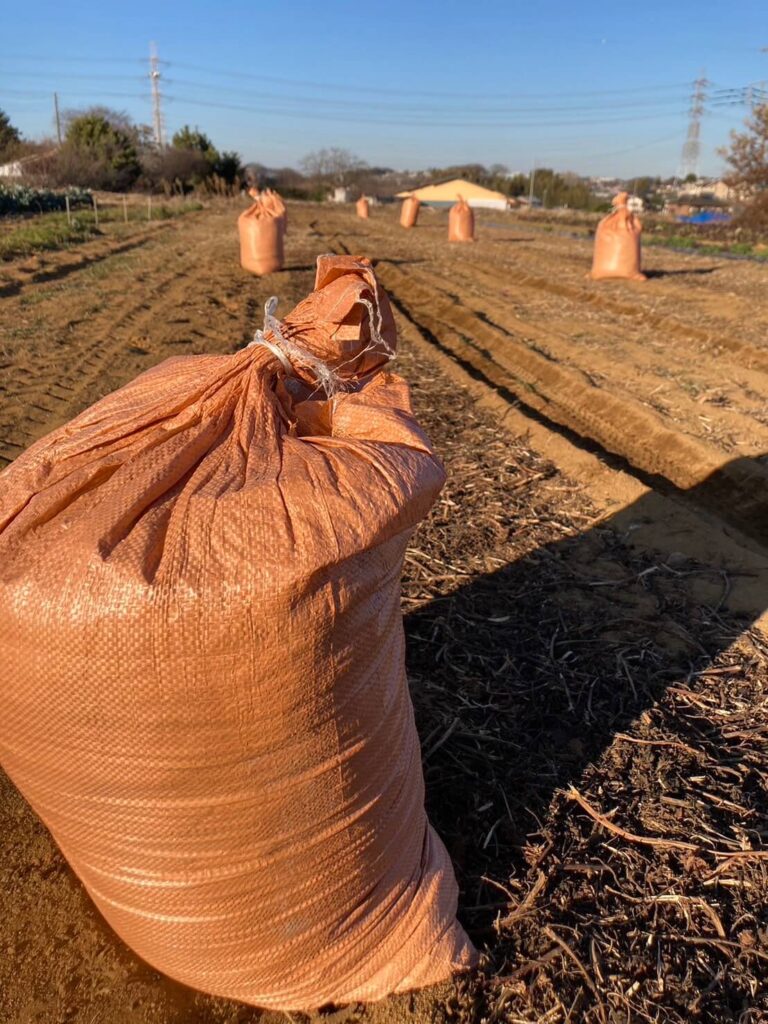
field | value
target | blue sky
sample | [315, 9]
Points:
[598, 88]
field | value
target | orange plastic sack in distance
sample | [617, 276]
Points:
[461, 222]
[202, 651]
[617, 243]
[261, 229]
[362, 208]
[409, 211]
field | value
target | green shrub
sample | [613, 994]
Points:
[23, 199]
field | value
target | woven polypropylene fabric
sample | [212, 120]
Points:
[617, 243]
[461, 222]
[201, 650]
[261, 228]
[409, 211]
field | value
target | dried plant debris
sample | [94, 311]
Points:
[595, 745]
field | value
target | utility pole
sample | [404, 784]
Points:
[154, 78]
[58, 117]
[530, 189]
[689, 163]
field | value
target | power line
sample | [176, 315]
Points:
[76, 74]
[610, 106]
[337, 86]
[74, 60]
[450, 109]
[280, 101]
[39, 94]
[380, 90]
[500, 106]
[617, 152]
[401, 121]
[256, 108]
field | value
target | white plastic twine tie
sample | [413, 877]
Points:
[288, 352]
[269, 324]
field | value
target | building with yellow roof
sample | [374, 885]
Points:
[445, 193]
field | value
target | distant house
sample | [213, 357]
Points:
[340, 195]
[16, 168]
[12, 170]
[710, 190]
[446, 193]
[702, 202]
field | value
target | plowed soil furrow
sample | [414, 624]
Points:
[623, 363]
[737, 491]
[711, 287]
[708, 284]
[87, 347]
[708, 376]
[71, 350]
[638, 360]
[714, 315]
[703, 388]
[713, 339]
[58, 265]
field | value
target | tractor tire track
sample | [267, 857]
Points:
[736, 491]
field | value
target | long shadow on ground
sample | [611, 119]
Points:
[681, 273]
[583, 663]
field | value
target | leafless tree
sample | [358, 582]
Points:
[332, 166]
[748, 154]
[748, 159]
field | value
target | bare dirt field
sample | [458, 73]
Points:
[583, 607]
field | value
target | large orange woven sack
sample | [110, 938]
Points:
[461, 222]
[362, 208]
[617, 243]
[201, 649]
[409, 211]
[261, 228]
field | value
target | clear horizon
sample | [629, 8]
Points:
[598, 92]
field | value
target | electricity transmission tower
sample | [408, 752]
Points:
[692, 146]
[157, 113]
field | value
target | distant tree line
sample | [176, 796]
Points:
[105, 149]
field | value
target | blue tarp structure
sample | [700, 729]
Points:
[706, 217]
